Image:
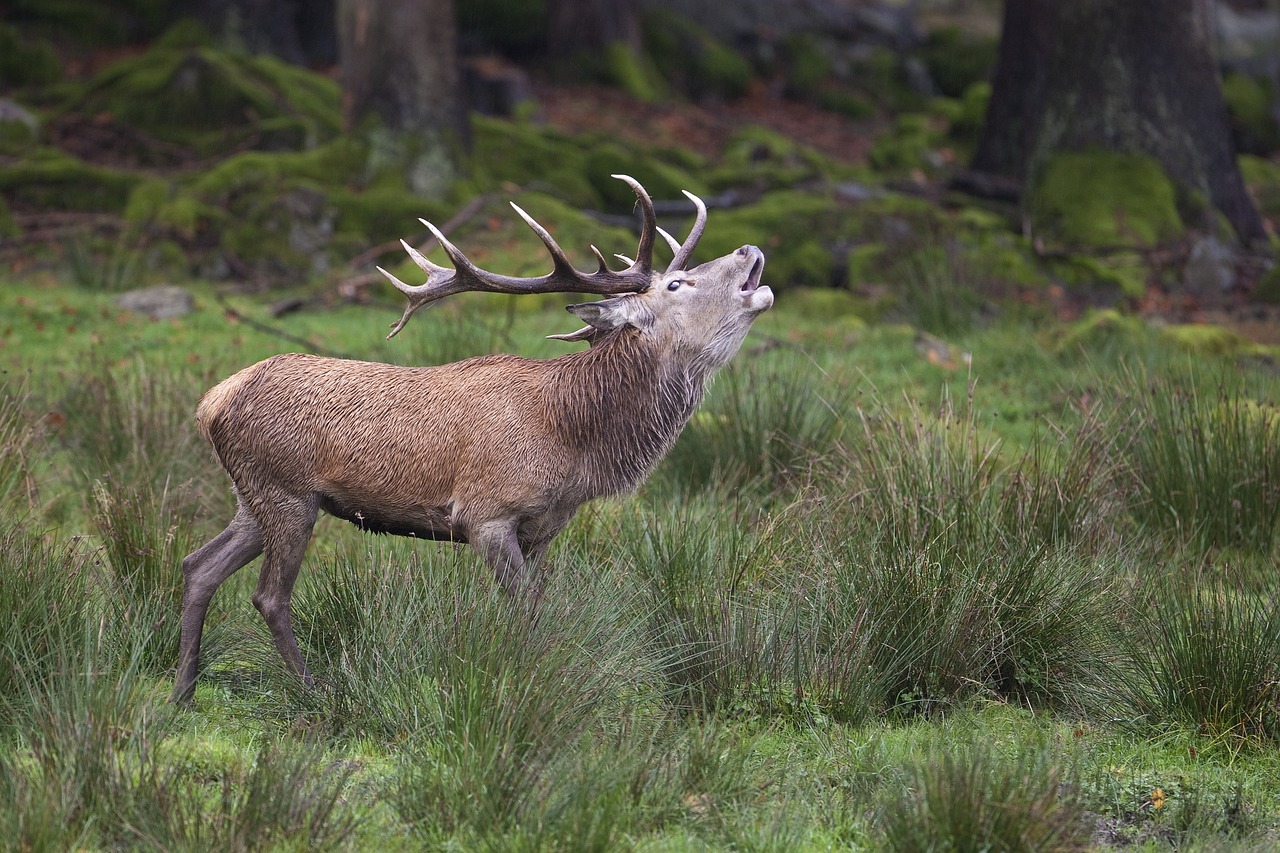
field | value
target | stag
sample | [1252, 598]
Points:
[498, 451]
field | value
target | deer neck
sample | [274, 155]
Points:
[624, 404]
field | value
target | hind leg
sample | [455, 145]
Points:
[285, 540]
[203, 571]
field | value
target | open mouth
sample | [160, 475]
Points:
[753, 277]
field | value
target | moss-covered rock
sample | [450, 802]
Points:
[1268, 287]
[26, 61]
[1251, 104]
[632, 73]
[661, 180]
[1119, 275]
[796, 231]
[764, 159]
[1203, 339]
[1097, 198]
[19, 129]
[909, 144]
[52, 180]
[1104, 328]
[956, 59]
[212, 101]
[690, 59]
[504, 152]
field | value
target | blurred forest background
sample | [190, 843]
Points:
[1098, 154]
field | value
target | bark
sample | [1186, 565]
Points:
[1137, 77]
[399, 61]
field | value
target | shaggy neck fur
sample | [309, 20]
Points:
[622, 404]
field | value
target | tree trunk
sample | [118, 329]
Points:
[1137, 77]
[399, 61]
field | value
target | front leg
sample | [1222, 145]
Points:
[498, 544]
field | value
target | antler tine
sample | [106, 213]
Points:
[685, 252]
[648, 231]
[671, 241]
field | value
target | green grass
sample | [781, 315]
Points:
[869, 601]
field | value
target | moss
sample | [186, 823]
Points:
[1201, 339]
[1268, 287]
[19, 131]
[1250, 103]
[966, 124]
[793, 228]
[907, 145]
[1001, 257]
[187, 33]
[824, 303]
[508, 152]
[662, 180]
[807, 66]
[632, 73]
[8, 226]
[956, 59]
[211, 100]
[53, 180]
[26, 61]
[844, 101]
[865, 263]
[763, 159]
[1102, 329]
[1103, 198]
[690, 59]
[1121, 274]
[1263, 179]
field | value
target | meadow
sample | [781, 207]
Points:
[1017, 596]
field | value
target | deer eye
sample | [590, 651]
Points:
[675, 283]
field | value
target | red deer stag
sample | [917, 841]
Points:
[498, 451]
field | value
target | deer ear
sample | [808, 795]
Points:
[609, 314]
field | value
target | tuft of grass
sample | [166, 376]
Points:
[1206, 467]
[144, 538]
[43, 597]
[1205, 655]
[947, 571]
[17, 437]
[975, 799]
[102, 265]
[762, 428]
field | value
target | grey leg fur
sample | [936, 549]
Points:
[203, 571]
[500, 547]
[285, 544]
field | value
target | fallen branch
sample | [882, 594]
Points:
[275, 331]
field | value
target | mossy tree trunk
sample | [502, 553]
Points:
[399, 61]
[1137, 77]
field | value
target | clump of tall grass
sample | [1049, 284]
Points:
[92, 772]
[761, 428]
[144, 537]
[1205, 466]
[16, 439]
[134, 422]
[1204, 654]
[488, 694]
[719, 620]
[948, 570]
[974, 799]
[43, 598]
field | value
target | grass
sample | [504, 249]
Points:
[869, 601]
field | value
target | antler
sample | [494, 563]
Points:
[685, 251]
[442, 281]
